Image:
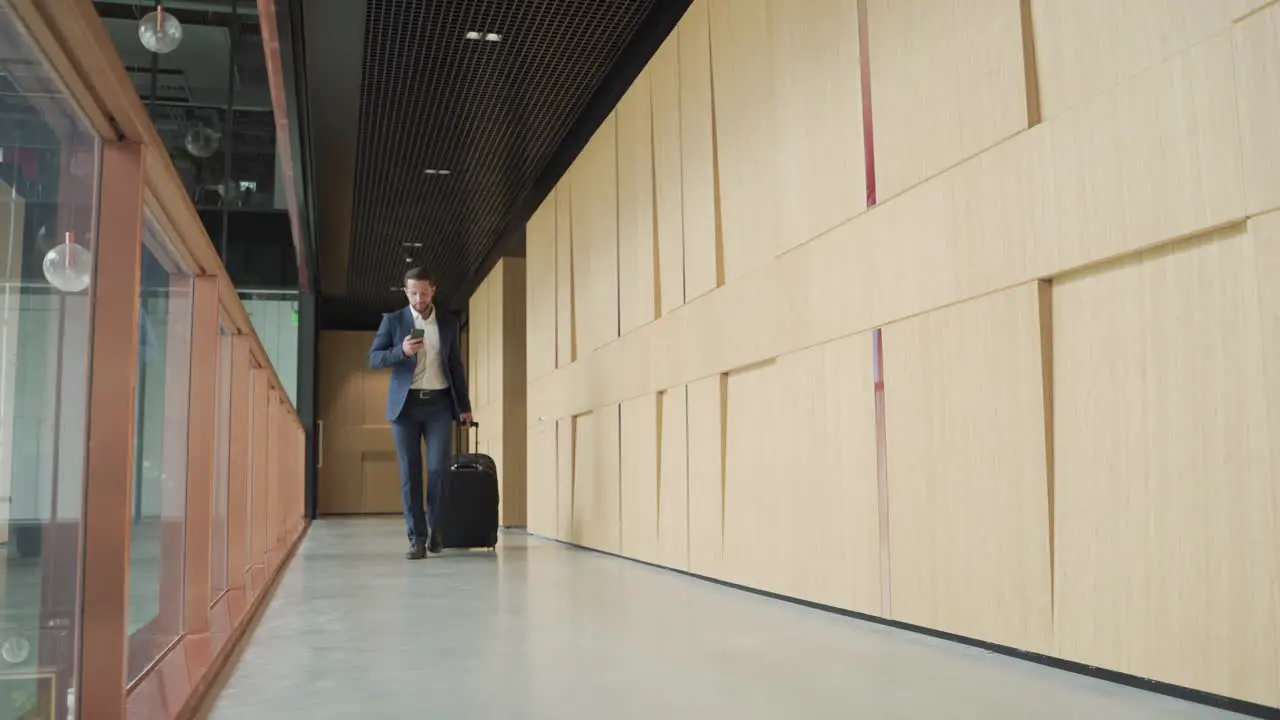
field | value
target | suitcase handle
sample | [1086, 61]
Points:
[458, 440]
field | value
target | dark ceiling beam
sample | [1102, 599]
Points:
[655, 28]
[293, 59]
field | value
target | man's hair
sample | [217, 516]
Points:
[420, 274]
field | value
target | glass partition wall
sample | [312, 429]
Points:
[191, 468]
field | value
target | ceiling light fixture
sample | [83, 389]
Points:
[493, 37]
[437, 171]
[412, 244]
[487, 37]
[473, 35]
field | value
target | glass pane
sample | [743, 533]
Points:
[49, 162]
[221, 477]
[252, 509]
[158, 543]
[274, 315]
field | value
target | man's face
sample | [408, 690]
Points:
[420, 293]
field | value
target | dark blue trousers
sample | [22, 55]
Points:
[426, 417]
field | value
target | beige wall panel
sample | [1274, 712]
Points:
[1061, 195]
[596, 501]
[698, 153]
[566, 308]
[1265, 231]
[1086, 47]
[947, 81]
[540, 289]
[753, 530]
[595, 234]
[673, 480]
[706, 460]
[1168, 555]
[637, 238]
[827, 495]
[566, 457]
[817, 107]
[741, 71]
[639, 471]
[1257, 47]
[543, 490]
[664, 74]
[968, 473]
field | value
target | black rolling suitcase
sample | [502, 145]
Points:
[468, 515]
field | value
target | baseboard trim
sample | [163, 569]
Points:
[1180, 692]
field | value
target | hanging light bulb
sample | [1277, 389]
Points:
[68, 266]
[160, 32]
[202, 142]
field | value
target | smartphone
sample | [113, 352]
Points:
[416, 334]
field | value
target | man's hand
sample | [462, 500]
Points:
[411, 346]
[467, 419]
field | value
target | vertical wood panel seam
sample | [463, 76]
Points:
[882, 470]
[684, 265]
[657, 519]
[715, 158]
[724, 451]
[617, 234]
[688, 531]
[1029, 64]
[573, 294]
[653, 206]
[868, 124]
[1045, 292]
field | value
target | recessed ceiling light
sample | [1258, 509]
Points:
[412, 244]
[408, 259]
[493, 37]
[436, 171]
[473, 35]
[489, 36]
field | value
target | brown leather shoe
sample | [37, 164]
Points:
[417, 551]
[436, 544]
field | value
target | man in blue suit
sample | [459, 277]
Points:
[428, 393]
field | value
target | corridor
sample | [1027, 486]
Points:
[542, 630]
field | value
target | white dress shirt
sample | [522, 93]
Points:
[429, 372]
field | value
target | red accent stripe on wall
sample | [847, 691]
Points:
[868, 127]
[882, 472]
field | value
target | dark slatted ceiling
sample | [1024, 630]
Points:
[453, 132]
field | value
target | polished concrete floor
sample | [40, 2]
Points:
[545, 631]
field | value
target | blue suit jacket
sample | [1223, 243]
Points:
[386, 352]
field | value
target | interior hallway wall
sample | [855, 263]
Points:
[495, 373]
[964, 313]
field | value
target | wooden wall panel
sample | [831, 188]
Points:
[753, 458]
[638, 279]
[1085, 48]
[540, 290]
[673, 480]
[741, 71]
[498, 382]
[1168, 550]
[566, 463]
[358, 473]
[1257, 62]
[968, 471]
[705, 407]
[664, 75]
[597, 516]
[947, 81]
[543, 488]
[699, 173]
[755, 110]
[566, 307]
[826, 495]
[817, 92]
[640, 465]
[594, 215]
